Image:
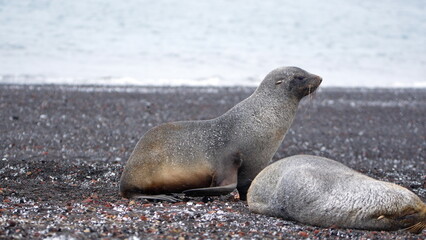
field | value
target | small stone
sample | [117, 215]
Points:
[303, 234]
[12, 223]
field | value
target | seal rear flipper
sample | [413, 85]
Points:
[161, 197]
[211, 191]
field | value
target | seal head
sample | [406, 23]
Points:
[292, 80]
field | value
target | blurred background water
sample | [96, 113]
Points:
[169, 42]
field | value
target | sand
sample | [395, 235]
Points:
[63, 149]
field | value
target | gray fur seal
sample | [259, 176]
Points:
[213, 157]
[322, 192]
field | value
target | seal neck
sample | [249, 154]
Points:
[268, 99]
[265, 109]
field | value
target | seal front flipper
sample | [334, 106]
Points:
[243, 187]
[225, 180]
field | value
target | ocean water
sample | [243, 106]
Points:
[355, 43]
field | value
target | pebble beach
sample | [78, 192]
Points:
[63, 147]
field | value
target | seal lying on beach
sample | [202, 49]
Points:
[322, 192]
[210, 157]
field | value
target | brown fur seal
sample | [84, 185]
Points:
[322, 192]
[210, 157]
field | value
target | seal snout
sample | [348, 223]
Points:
[317, 79]
[314, 81]
[307, 85]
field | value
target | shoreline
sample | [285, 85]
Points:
[129, 86]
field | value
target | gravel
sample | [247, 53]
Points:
[62, 150]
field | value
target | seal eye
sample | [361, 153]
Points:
[278, 82]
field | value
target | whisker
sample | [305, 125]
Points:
[416, 228]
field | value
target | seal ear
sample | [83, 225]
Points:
[279, 82]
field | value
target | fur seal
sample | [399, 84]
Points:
[210, 157]
[322, 192]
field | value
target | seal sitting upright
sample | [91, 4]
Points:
[322, 192]
[212, 157]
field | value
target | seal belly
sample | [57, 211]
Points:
[173, 179]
